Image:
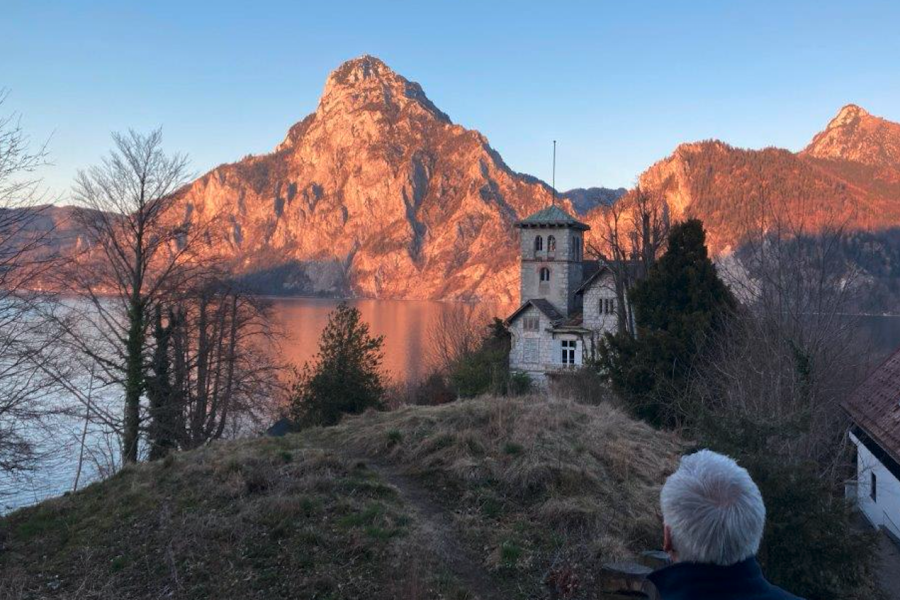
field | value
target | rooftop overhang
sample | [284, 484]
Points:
[553, 225]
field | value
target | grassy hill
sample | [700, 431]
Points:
[473, 499]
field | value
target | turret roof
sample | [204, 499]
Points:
[552, 216]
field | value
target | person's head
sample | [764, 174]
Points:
[712, 511]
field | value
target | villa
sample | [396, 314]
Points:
[567, 303]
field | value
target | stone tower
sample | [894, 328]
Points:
[552, 250]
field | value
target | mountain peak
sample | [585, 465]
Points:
[360, 69]
[368, 82]
[855, 135]
[847, 115]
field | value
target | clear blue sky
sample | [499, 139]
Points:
[619, 85]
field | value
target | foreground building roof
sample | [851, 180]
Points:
[875, 405]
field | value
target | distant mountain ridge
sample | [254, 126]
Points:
[848, 174]
[379, 194]
[586, 199]
[855, 135]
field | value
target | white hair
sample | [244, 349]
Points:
[714, 511]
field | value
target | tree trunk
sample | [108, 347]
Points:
[134, 381]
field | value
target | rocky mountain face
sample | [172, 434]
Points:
[378, 193]
[855, 135]
[848, 176]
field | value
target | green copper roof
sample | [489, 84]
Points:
[552, 216]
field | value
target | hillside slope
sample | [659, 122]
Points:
[475, 498]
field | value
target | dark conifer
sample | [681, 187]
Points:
[680, 303]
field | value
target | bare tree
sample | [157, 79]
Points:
[632, 236]
[140, 248]
[457, 332]
[24, 388]
[794, 351]
[223, 374]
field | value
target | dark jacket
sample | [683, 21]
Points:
[695, 581]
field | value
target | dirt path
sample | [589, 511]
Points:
[439, 533]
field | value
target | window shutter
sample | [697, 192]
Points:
[578, 352]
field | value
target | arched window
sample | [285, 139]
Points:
[538, 244]
[545, 275]
[551, 243]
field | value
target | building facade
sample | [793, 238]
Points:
[567, 303]
[874, 408]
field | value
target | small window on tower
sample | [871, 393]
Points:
[538, 244]
[545, 275]
[551, 243]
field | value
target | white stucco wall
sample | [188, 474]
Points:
[602, 288]
[549, 354]
[885, 510]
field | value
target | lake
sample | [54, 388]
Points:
[405, 326]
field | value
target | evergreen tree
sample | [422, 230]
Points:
[680, 303]
[346, 377]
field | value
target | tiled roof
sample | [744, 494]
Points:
[593, 272]
[547, 308]
[552, 216]
[542, 305]
[875, 405]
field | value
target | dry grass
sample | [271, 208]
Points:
[262, 519]
[529, 484]
[538, 483]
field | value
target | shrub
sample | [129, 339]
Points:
[485, 370]
[346, 377]
[584, 386]
[434, 390]
[519, 384]
[810, 545]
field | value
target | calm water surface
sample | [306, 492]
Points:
[405, 325]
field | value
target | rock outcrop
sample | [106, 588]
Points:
[855, 135]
